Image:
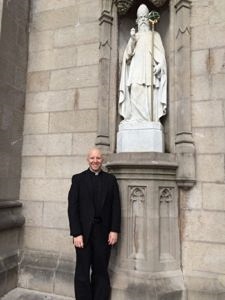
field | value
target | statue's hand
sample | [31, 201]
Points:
[132, 33]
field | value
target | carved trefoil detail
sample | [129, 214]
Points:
[137, 222]
[167, 224]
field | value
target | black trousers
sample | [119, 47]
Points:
[91, 274]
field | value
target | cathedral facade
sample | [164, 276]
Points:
[60, 64]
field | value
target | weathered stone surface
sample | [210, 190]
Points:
[201, 62]
[208, 162]
[39, 41]
[74, 77]
[19, 294]
[207, 257]
[35, 145]
[213, 196]
[23, 294]
[218, 86]
[193, 198]
[200, 222]
[36, 123]
[201, 88]
[64, 167]
[218, 59]
[200, 14]
[38, 81]
[42, 5]
[89, 11]
[33, 167]
[200, 40]
[10, 215]
[64, 278]
[52, 59]
[209, 140]
[8, 273]
[40, 238]
[37, 279]
[77, 121]
[193, 295]
[32, 212]
[83, 142]
[83, 34]
[9, 242]
[87, 54]
[13, 73]
[86, 98]
[59, 144]
[54, 19]
[54, 215]
[50, 101]
[44, 189]
[212, 109]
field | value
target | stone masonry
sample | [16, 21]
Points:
[61, 122]
[59, 128]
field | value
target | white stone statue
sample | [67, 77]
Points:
[135, 95]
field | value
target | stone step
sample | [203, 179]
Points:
[24, 294]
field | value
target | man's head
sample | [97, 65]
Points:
[95, 159]
[142, 18]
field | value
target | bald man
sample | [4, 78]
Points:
[94, 217]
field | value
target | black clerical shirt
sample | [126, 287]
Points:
[96, 183]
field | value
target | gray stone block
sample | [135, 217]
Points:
[172, 296]
[23, 294]
[37, 279]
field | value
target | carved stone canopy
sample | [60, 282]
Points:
[124, 5]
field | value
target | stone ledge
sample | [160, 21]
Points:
[49, 272]
[10, 214]
[9, 203]
[8, 273]
[142, 159]
[23, 294]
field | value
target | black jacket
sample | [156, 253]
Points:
[81, 206]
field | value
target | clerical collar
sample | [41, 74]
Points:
[95, 173]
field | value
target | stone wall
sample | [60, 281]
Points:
[61, 123]
[60, 126]
[203, 207]
[13, 66]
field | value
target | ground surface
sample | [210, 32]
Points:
[22, 294]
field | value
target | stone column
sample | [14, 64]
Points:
[13, 56]
[185, 148]
[103, 139]
[1, 9]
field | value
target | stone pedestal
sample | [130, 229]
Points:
[140, 137]
[146, 263]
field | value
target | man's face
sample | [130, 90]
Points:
[95, 160]
[143, 23]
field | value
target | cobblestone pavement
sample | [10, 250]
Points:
[23, 294]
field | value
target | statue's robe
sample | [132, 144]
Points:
[136, 79]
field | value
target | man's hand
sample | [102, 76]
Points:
[113, 237]
[78, 241]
